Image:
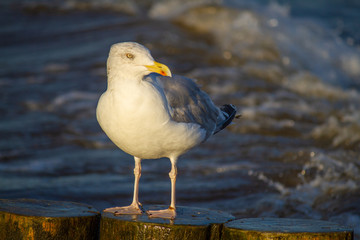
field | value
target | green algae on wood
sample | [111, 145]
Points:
[190, 223]
[43, 219]
[285, 229]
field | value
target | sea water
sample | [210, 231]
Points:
[291, 67]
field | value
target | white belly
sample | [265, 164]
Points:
[139, 123]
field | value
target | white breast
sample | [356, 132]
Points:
[136, 118]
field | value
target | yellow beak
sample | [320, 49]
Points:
[159, 68]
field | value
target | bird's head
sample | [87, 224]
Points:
[133, 60]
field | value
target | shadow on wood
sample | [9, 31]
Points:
[285, 229]
[42, 219]
[190, 223]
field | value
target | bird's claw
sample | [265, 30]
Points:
[128, 210]
[169, 213]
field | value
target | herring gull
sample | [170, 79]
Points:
[150, 114]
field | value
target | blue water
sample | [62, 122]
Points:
[291, 67]
[342, 17]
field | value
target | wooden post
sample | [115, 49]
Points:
[190, 223]
[285, 229]
[42, 219]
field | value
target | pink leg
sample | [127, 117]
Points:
[169, 213]
[134, 207]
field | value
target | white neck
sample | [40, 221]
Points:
[120, 75]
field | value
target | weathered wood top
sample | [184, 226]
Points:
[185, 216]
[286, 229]
[286, 225]
[43, 219]
[46, 208]
[190, 223]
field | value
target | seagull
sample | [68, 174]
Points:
[150, 114]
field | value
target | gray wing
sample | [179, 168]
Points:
[188, 102]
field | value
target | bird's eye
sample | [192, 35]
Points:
[130, 56]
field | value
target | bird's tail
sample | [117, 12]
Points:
[229, 112]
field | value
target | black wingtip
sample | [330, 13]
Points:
[229, 112]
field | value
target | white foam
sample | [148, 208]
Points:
[74, 101]
[350, 63]
[308, 84]
[331, 175]
[345, 132]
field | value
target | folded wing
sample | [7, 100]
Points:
[188, 103]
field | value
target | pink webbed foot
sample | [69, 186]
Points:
[169, 213]
[128, 210]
